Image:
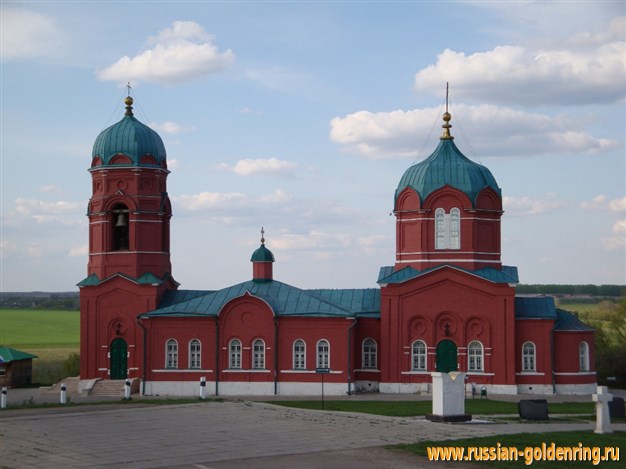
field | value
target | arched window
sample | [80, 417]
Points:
[369, 354]
[234, 354]
[119, 222]
[171, 354]
[299, 355]
[583, 353]
[194, 353]
[418, 356]
[448, 229]
[455, 228]
[440, 229]
[475, 356]
[323, 354]
[258, 355]
[528, 357]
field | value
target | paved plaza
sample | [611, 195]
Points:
[228, 434]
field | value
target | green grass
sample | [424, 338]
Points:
[51, 335]
[26, 328]
[413, 408]
[524, 440]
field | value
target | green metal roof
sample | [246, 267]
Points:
[8, 355]
[508, 274]
[129, 137]
[566, 321]
[285, 300]
[146, 279]
[262, 254]
[447, 166]
[536, 307]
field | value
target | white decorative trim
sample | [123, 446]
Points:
[530, 373]
[415, 372]
[241, 370]
[103, 369]
[181, 370]
[367, 370]
[449, 260]
[126, 252]
[578, 373]
[456, 251]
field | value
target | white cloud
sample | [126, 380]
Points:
[613, 243]
[168, 127]
[30, 35]
[210, 200]
[261, 167]
[42, 207]
[51, 188]
[618, 205]
[521, 206]
[181, 53]
[619, 227]
[564, 75]
[494, 131]
[173, 164]
[7, 248]
[79, 251]
[247, 110]
[312, 240]
[601, 202]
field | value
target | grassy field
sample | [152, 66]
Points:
[413, 408]
[51, 335]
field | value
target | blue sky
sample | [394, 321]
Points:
[302, 117]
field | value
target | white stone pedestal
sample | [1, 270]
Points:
[603, 418]
[448, 398]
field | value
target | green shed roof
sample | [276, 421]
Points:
[566, 321]
[508, 274]
[284, 299]
[535, 307]
[447, 166]
[8, 355]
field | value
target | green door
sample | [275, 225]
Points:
[446, 356]
[119, 364]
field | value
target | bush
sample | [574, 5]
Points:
[71, 365]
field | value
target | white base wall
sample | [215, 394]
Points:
[404, 388]
[234, 388]
[366, 386]
[577, 389]
[542, 389]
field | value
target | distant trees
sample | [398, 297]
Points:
[40, 300]
[611, 345]
[562, 289]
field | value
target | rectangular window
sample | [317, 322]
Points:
[235, 354]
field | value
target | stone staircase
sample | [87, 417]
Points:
[108, 388]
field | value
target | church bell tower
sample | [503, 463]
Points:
[129, 265]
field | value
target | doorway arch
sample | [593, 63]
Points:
[118, 359]
[447, 359]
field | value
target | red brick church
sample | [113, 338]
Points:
[446, 304]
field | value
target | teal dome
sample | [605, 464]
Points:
[447, 166]
[262, 254]
[131, 138]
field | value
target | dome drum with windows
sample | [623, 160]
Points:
[448, 211]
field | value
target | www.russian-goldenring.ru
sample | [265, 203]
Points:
[546, 452]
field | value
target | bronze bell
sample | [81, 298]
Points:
[121, 220]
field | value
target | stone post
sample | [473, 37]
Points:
[3, 403]
[603, 418]
[203, 388]
[63, 398]
[127, 389]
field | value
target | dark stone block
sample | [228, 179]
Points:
[449, 418]
[616, 407]
[533, 409]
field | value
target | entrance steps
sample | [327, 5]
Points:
[108, 388]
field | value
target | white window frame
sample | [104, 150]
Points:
[323, 354]
[171, 354]
[583, 356]
[234, 354]
[419, 354]
[258, 354]
[299, 354]
[448, 229]
[529, 357]
[475, 356]
[195, 354]
[369, 354]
